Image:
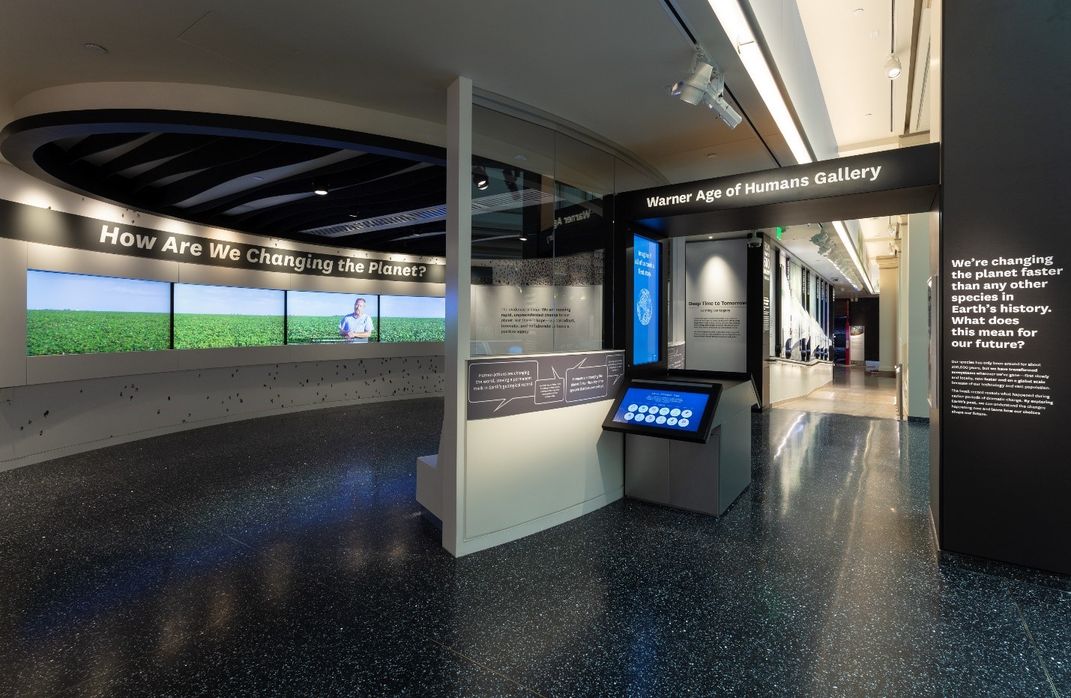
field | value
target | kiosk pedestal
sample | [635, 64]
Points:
[703, 477]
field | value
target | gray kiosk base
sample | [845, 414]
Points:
[698, 477]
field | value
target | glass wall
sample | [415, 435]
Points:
[540, 231]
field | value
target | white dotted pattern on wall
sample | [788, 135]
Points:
[44, 421]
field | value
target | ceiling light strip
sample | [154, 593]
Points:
[846, 240]
[738, 29]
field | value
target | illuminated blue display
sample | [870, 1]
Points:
[674, 410]
[646, 277]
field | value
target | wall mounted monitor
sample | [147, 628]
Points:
[412, 319]
[83, 314]
[208, 317]
[646, 300]
[668, 409]
[318, 317]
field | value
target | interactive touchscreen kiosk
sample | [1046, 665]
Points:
[667, 409]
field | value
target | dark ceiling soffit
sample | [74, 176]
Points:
[20, 138]
[905, 168]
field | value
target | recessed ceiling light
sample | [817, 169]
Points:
[710, 237]
[523, 238]
[520, 157]
[352, 215]
[868, 115]
[95, 48]
[711, 156]
[319, 192]
[859, 10]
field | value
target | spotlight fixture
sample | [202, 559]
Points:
[479, 177]
[892, 66]
[706, 86]
[893, 69]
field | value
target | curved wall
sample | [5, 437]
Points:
[57, 405]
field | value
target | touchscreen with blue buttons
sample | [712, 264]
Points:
[674, 410]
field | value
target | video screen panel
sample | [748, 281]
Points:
[669, 409]
[83, 314]
[646, 280]
[210, 317]
[412, 319]
[317, 317]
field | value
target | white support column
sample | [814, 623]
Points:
[458, 293]
[888, 304]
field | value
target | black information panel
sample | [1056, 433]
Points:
[508, 385]
[32, 224]
[667, 409]
[1006, 261]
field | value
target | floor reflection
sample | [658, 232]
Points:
[186, 566]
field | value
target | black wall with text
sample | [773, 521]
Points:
[1005, 381]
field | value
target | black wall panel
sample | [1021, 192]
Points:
[1005, 467]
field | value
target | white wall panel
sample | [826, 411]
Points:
[38, 422]
[524, 469]
[12, 312]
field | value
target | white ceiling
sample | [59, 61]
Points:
[604, 65]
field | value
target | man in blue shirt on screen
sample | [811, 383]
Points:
[356, 327]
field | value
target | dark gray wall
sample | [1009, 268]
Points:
[1006, 477]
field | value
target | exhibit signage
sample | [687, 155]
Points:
[646, 279]
[716, 311]
[858, 174]
[505, 386]
[32, 224]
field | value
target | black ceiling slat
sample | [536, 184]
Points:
[162, 146]
[344, 198]
[208, 156]
[275, 155]
[307, 214]
[98, 143]
[395, 191]
[361, 168]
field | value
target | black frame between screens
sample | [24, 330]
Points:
[285, 315]
[701, 434]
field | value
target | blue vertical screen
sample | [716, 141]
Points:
[646, 279]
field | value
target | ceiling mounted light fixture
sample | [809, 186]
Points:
[706, 86]
[893, 69]
[479, 177]
[319, 192]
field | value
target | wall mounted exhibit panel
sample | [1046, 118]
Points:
[717, 304]
[46, 421]
[13, 254]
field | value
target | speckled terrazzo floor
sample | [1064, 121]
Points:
[286, 556]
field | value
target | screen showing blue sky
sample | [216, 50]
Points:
[320, 304]
[413, 306]
[227, 300]
[50, 290]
